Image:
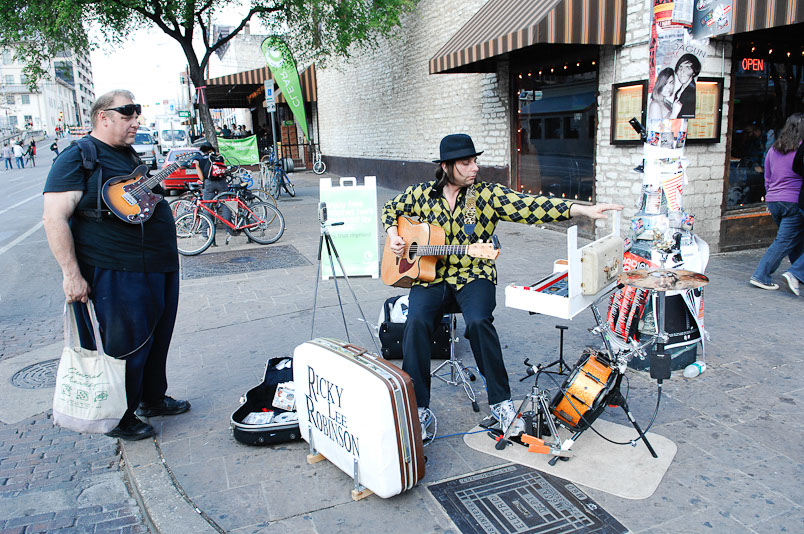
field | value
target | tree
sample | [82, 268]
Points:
[319, 28]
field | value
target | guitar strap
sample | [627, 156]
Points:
[469, 211]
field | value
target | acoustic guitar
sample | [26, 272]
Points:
[424, 243]
[131, 197]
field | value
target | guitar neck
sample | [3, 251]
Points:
[157, 178]
[440, 250]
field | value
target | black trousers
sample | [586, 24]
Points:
[136, 313]
[427, 305]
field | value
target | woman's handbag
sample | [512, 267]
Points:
[90, 392]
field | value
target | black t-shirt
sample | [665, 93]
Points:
[111, 243]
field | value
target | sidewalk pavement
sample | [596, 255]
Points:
[739, 462]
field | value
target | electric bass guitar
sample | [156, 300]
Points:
[131, 197]
[424, 243]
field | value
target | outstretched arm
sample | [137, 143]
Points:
[595, 211]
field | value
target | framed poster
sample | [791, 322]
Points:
[628, 100]
[705, 127]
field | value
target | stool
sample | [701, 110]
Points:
[459, 375]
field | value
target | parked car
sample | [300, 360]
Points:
[178, 179]
[146, 147]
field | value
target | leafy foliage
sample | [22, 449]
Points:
[315, 29]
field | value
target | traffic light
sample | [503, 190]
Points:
[61, 115]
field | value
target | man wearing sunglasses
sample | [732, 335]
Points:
[130, 271]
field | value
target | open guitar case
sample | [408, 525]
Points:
[260, 399]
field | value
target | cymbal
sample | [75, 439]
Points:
[663, 279]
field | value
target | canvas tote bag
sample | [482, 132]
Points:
[90, 392]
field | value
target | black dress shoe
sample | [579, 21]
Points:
[131, 429]
[166, 406]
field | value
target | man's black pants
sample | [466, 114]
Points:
[136, 313]
[427, 306]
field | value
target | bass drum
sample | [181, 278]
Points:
[582, 396]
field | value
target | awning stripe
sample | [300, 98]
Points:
[502, 26]
[258, 77]
[750, 15]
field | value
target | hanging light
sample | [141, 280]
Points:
[520, 76]
[528, 75]
[593, 63]
[551, 69]
[770, 51]
[540, 72]
[753, 48]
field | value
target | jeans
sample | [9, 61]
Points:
[20, 163]
[789, 240]
[8, 163]
[797, 269]
[477, 301]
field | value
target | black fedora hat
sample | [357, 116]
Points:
[457, 146]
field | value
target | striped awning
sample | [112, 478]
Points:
[243, 89]
[503, 26]
[750, 15]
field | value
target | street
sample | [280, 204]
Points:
[30, 288]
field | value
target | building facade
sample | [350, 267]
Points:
[535, 83]
[62, 100]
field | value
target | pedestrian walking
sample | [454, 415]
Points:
[782, 189]
[7, 155]
[131, 271]
[54, 147]
[30, 153]
[18, 154]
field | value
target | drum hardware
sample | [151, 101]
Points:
[331, 250]
[563, 368]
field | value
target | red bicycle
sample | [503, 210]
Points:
[260, 221]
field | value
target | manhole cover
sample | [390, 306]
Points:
[241, 261]
[37, 376]
[519, 500]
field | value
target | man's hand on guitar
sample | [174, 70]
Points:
[397, 244]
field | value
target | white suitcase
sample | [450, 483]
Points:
[359, 411]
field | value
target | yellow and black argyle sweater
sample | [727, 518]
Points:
[494, 203]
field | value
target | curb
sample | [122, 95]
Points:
[166, 510]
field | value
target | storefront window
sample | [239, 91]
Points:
[767, 89]
[556, 131]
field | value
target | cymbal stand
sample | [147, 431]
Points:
[331, 250]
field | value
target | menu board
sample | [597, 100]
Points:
[628, 101]
[708, 111]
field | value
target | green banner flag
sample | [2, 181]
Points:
[283, 69]
[241, 151]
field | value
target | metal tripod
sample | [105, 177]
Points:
[331, 250]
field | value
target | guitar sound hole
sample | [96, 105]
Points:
[412, 250]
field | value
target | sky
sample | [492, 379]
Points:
[148, 65]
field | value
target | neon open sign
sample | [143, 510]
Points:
[751, 64]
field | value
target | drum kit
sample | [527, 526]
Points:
[594, 382]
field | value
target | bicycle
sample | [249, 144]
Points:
[260, 221]
[278, 178]
[319, 167]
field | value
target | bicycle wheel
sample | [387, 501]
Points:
[194, 233]
[181, 205]
[271, 223]
[287, 185]
[261, 194]
[274, 189]
[319, 167]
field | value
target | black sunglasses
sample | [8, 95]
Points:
[127, 110]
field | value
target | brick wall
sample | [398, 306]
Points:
[384, 105]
